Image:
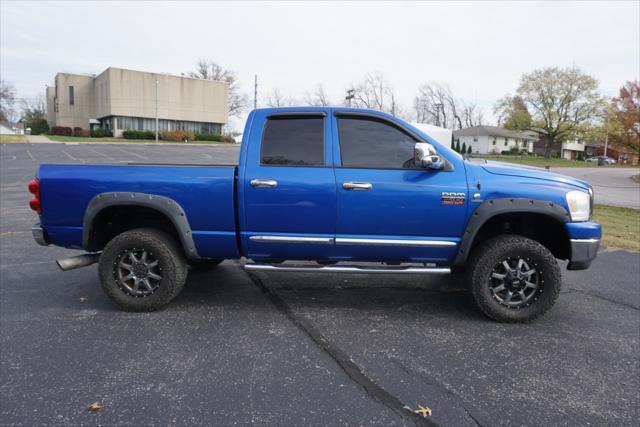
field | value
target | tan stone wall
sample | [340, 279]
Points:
[133, 94]
[83, 108]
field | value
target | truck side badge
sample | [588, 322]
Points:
[449, 198]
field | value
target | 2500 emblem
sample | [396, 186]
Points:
[449, 198]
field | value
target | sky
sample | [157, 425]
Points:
[480, 49]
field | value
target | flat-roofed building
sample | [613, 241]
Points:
[119, 99]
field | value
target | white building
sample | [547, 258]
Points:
[442, 135]
[494, 140]
[572, 150]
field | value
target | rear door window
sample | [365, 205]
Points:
[293, 141]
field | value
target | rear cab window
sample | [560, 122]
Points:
[293, 141]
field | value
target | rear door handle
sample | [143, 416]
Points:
[358, 186]
[264, 183]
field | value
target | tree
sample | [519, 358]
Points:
[458, 145]
[7, 100]
[375, 93]
[436, 104]
[561, 101]
[318, 98]
[278, 99]
[34, 115]
[469, 150]
[625, 117]
[512, 113]
[453, 144]
[464, 148]
[209, 70]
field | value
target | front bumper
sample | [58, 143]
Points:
[39, 235]
[585, 241]
[583, 251]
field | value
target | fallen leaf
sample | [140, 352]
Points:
[95, 406]
[425, 412]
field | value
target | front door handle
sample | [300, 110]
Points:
[264, 183]
[358, 186]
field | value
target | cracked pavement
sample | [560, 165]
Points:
[297, 349]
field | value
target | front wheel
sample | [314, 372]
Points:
[514, 278]
[142, 269]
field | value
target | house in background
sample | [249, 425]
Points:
[119, 100]
[494, 140]
[569, 150]
[7, 128]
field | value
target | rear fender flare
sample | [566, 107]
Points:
[169, 207]
[491, 208]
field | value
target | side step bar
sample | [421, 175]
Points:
[346, 269]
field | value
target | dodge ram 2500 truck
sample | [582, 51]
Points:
[324, 190]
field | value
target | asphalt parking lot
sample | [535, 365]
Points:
[297, 349]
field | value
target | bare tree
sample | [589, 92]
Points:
[471, 114]
[276, 98]
[375, 93]
[318, 98]
[210, 70]
[7, 100]
[34, 104]
[436, 104]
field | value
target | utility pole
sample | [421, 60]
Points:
[350, 96]
[156, 109]
[606, 134]
[255, 92]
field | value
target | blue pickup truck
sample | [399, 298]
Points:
[333, 190]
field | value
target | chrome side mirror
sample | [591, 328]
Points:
[425, 156]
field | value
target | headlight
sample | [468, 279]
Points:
[579, 205]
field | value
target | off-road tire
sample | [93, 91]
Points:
[205, 264]
[171, 265]
[491, 253]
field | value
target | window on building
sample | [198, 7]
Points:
[71, 96]
[293, 141]
[494, 141]
[475, 139]
[372, 143]
[506, 142]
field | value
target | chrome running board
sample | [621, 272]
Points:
[346, 269]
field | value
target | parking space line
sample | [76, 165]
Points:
[102, 154]
[69, 155]
[132, 153]
[31, 155]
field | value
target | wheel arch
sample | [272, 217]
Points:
[496, 212]
[164, 211]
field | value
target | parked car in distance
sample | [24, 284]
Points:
[601, 160]
[324, 190]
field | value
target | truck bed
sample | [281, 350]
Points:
[205, 192]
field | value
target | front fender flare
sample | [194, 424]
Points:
[165, 205]
[491, 208]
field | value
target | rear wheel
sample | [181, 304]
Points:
[514, 279]
[142, 269]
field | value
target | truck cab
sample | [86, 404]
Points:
[335, 187]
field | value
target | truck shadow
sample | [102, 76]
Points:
[374, 294]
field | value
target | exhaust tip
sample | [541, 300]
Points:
[79, 261]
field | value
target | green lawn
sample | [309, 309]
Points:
[12, 139]
[541, 162]
[123, 140]
[636, 178]
[620, 226]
